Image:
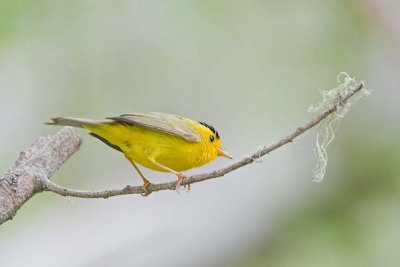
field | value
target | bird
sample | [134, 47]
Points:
[156, 140]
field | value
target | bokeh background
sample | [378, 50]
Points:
[251, 69]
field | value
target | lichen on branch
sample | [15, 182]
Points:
[328, 126]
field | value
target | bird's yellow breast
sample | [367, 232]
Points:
[141, 144]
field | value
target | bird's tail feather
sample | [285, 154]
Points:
[75, 122]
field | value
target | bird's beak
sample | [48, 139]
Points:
[224, 154]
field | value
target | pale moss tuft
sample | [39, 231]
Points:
[327, 127]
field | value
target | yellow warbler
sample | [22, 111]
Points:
[159, 141]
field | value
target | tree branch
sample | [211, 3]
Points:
[35, 165]
[31, 172]
[50, 186]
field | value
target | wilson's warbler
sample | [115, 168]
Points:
[159, 141]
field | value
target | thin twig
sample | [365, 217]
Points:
[47, 185]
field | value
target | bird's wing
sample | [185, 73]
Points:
[163, 122]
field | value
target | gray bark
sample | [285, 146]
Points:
[35, 164]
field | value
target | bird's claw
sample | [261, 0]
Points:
[146, 189]
[181, 178]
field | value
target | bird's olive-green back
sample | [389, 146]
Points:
[163, 122]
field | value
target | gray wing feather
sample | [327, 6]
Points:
[164, 122]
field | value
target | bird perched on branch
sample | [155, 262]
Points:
[159, 141]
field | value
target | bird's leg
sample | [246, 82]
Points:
[180, 175]
[146, 182]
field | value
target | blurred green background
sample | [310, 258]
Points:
[251, 69]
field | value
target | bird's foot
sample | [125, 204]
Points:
[181, 178]
[146, 190]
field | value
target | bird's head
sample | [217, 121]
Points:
[212, 141]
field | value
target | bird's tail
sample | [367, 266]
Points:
[75, 122]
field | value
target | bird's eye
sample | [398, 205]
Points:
[211, 138]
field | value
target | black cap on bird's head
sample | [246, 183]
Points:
[211, 128]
